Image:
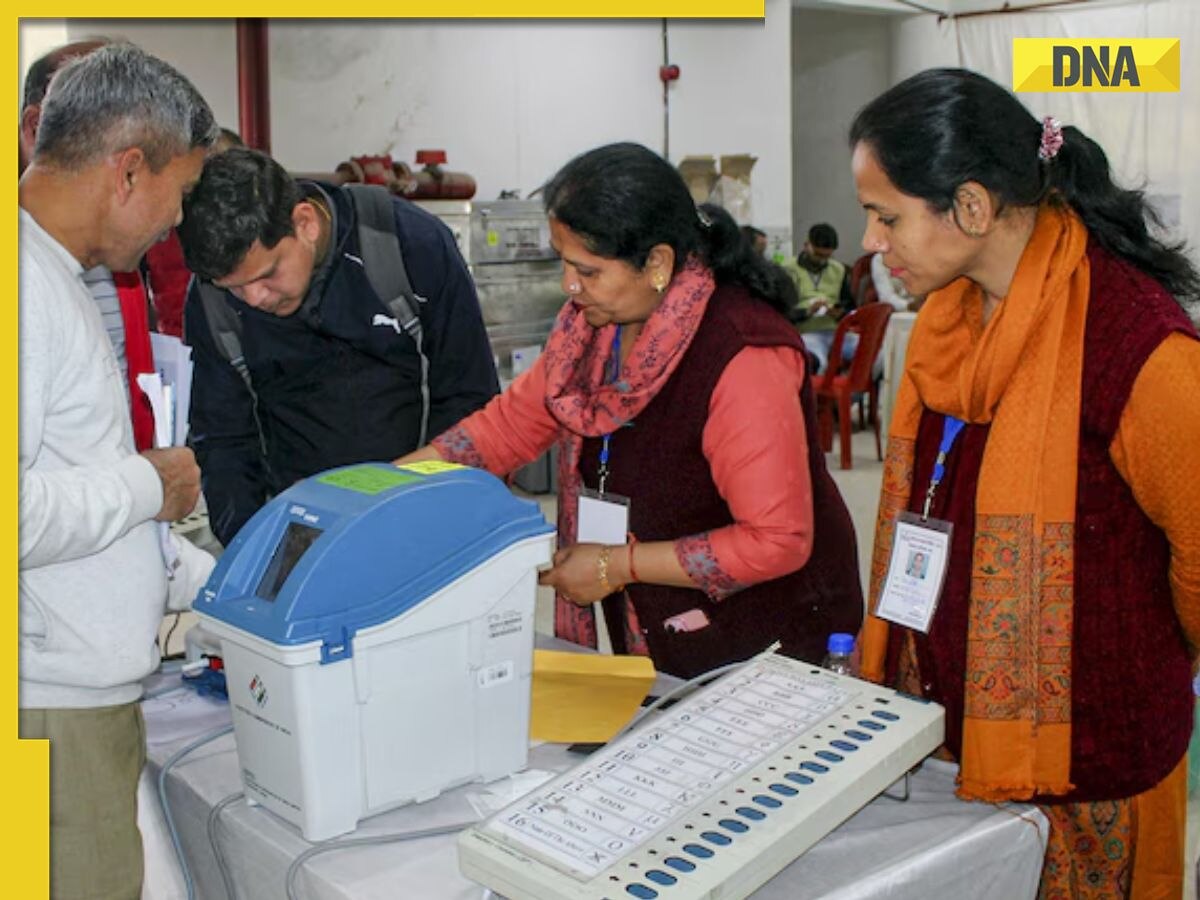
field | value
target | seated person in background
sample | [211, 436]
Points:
[672, 362]
[824, 289]
[889, 288]
[756, 238]
[333, 374]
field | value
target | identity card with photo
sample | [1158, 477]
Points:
[916, 571]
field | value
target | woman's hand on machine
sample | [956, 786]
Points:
[585, 573]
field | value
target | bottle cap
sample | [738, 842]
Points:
[841, 643]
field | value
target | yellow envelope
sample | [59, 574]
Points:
[585, 697]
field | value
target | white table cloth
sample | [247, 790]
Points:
[932, 846]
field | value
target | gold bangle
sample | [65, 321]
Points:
[602, 571]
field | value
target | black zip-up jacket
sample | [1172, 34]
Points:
[337, 382]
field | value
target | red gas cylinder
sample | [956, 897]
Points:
[433, 182]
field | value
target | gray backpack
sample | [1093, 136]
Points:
[384, 266]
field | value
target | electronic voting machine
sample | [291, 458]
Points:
[711, 798]
[376, 625]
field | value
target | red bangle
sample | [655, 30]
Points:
[633, 575]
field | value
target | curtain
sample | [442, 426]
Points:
[1143, 135]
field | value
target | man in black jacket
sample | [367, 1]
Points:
[330, 377]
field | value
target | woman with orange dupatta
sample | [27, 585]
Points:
[678, 394]
[1055, 332]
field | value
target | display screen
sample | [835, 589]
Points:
[294, 544]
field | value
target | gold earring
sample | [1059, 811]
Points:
[660, 283]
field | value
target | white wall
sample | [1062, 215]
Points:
[36, 38]
[921, 42]
[734, 96]
[205, 50]
[840, 61]
[509, 101]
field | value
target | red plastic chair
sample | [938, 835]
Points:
[860, 279]
[836, 388]
[870, 295]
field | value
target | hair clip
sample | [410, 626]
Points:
[1052, 138]
[705, 220]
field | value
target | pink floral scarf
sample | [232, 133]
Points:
[587, 404]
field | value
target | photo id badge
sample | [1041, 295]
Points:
[603, 518]
[916, 571]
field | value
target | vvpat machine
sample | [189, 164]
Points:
[376, 625]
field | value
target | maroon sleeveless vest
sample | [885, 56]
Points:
[658, 462]
[1131, 690]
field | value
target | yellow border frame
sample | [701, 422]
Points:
[25, 764]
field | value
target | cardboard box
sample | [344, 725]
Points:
[738, 166]
[699, 174]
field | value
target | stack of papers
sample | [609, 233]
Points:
[169, 390]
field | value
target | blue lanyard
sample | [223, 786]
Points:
[951, 427]
[614, 372]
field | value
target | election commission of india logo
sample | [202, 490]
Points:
[258, 691]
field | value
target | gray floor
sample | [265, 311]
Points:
[860, 490]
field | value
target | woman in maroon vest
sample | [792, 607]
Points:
[677, 393]
[1049, 412]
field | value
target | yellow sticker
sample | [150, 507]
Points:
[493, 237]
[430, 467]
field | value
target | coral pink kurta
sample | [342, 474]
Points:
[754, 440]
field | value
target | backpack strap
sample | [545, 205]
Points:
[383, 262]
[226, 328]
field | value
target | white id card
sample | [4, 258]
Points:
[603, 519]
[916, 571]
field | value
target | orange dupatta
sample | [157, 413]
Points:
[1022, 373]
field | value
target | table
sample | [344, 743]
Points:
[932, 846]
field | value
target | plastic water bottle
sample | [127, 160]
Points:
[1194, 747]
[837, 656]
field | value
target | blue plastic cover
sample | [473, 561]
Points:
[356, 546]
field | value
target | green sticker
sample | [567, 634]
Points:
[493, 238]
[367, 479]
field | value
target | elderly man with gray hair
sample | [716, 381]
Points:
[122, 137]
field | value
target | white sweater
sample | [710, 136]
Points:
[93, 587]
